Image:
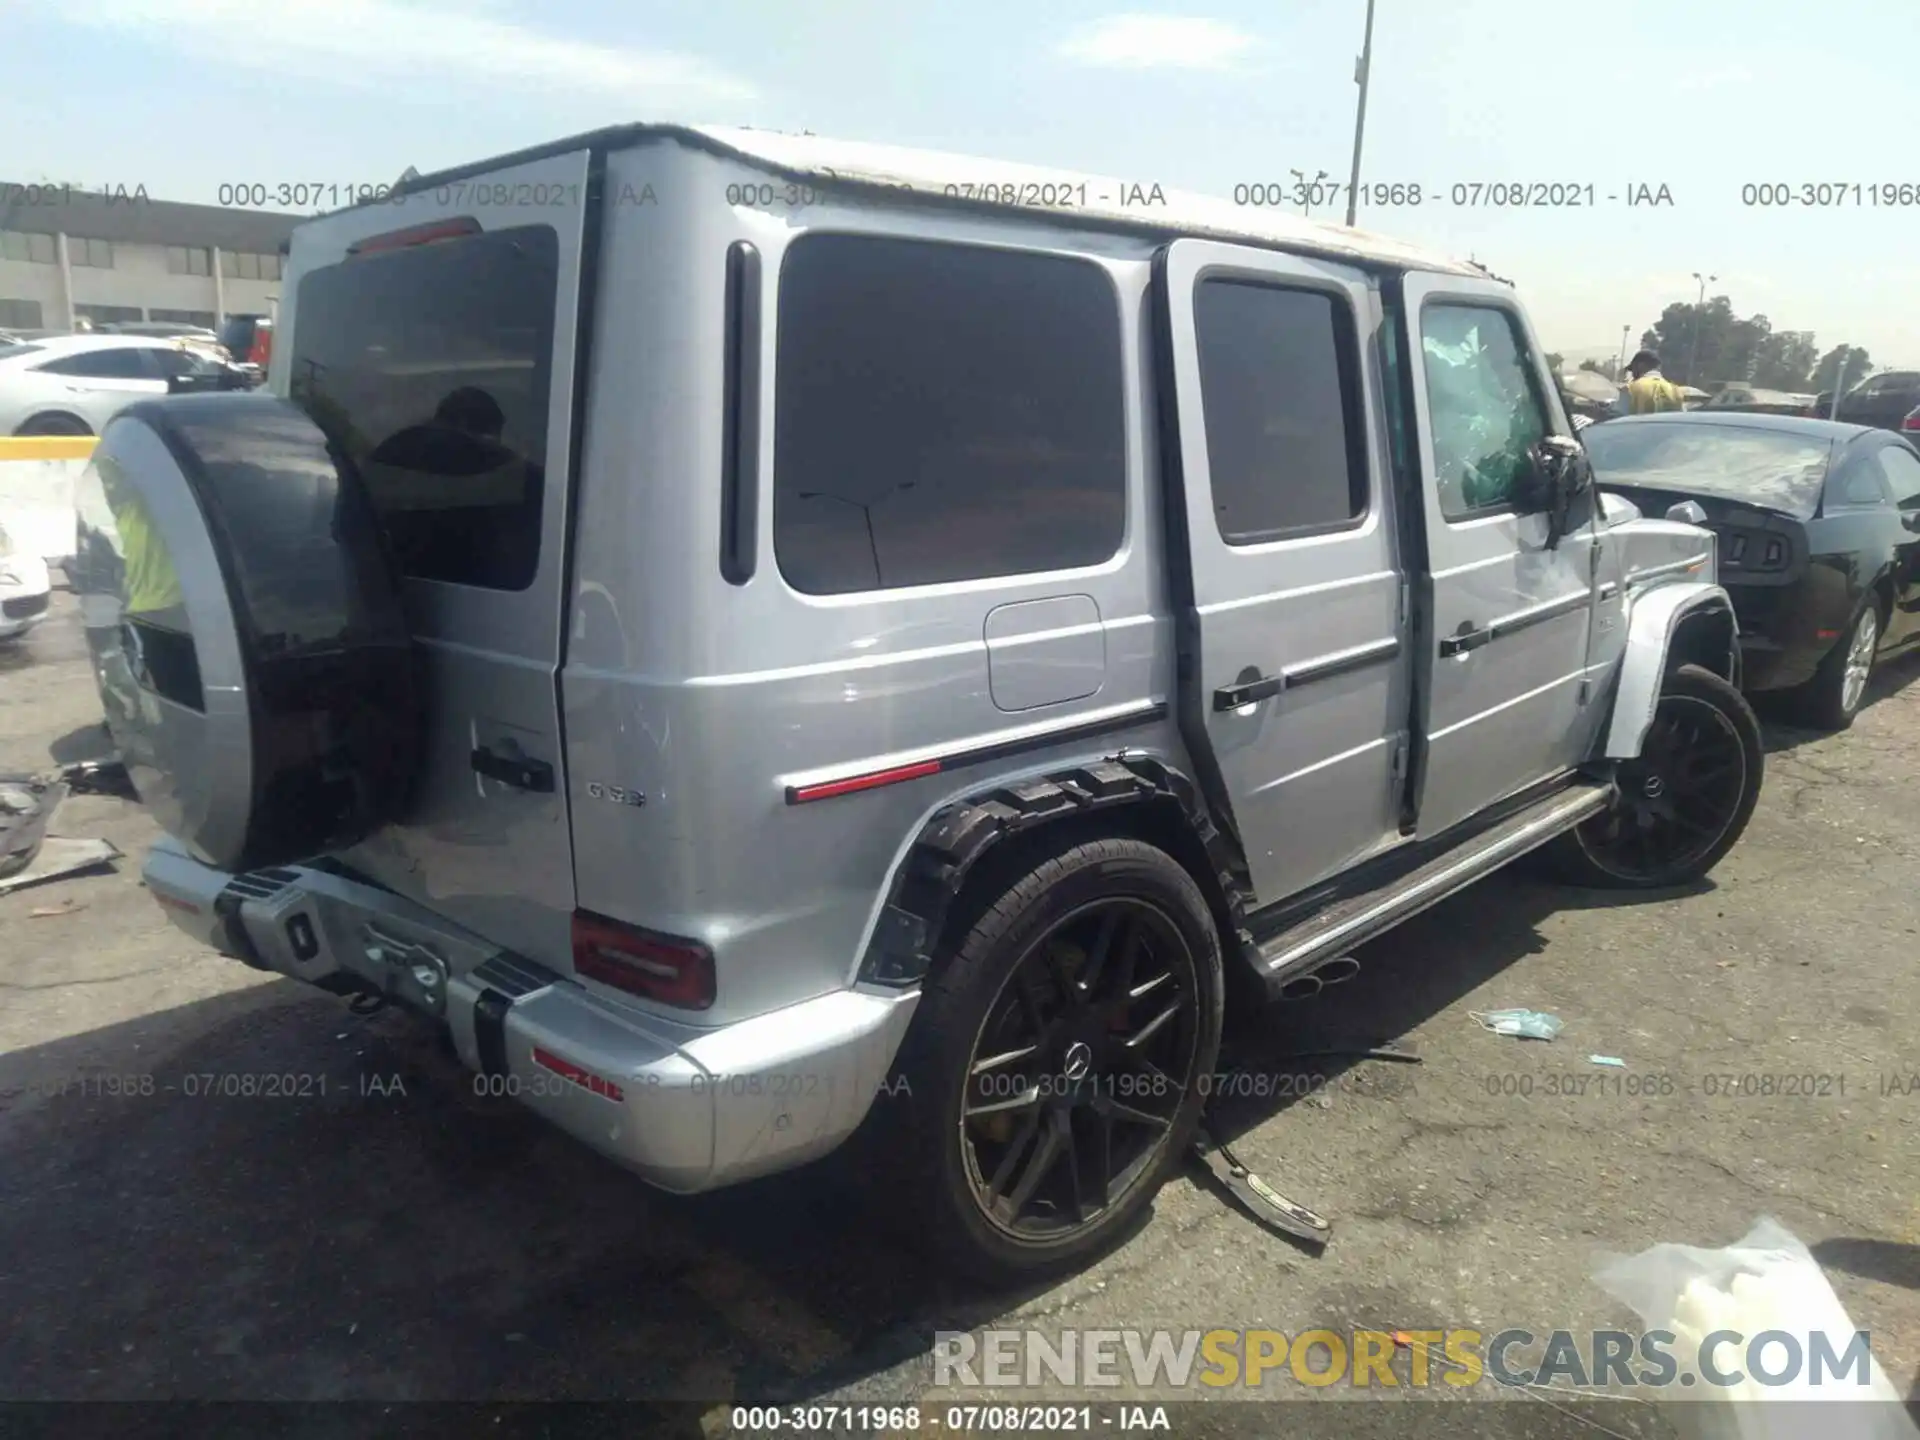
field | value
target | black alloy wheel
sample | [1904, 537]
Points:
[1055, 1068]
[1080, 1069]
[1685, 799]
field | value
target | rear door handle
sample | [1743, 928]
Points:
[1465, 639]
[1250, 688]
[521, 773]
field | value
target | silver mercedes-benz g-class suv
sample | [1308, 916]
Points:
[764, 638]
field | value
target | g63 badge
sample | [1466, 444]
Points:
[618, 794]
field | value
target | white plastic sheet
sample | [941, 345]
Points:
[1769, 1281]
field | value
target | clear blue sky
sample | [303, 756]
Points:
[183, 95]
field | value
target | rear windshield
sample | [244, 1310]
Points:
[1778, 469]
[429, 368]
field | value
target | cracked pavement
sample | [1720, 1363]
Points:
[387, 1235]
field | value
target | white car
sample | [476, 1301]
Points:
[25, 591]
[74, 384]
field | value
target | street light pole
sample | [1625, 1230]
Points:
[1362, 73]
[1620, 368]
[1698, 306]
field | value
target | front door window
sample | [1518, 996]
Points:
[1486, 410]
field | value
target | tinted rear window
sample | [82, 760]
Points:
[943, 412]
[1279, 384]
[124, 362]
[430, 369]
[1778, 469]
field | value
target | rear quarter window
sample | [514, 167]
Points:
[430, 369]
[943, 412]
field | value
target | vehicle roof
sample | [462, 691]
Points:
[1746, 420]
[823, 161]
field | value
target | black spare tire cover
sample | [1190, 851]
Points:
[247, 629]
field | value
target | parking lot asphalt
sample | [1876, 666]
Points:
[398, 1238]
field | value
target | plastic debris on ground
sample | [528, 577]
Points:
[1769, 1281]
[1524, 1024]
[1614, 1061]
[28, 854]
[27, 803]
[60, 857]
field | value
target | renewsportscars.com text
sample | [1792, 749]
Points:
[1363, 1359]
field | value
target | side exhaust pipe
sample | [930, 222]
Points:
[1334, 970]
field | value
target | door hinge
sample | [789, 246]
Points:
[1405, 605]
[1585, 694]
[1593, 558]
[1397, 769]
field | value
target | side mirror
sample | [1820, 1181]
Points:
[1558, 474]
[1688, 512]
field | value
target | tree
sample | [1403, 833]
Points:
[1730, 348]
[1555, 360]
[1702, 340]
[1785, 360]
[1859, 366]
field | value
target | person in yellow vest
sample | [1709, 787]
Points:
[152, 585]
[1647, 391]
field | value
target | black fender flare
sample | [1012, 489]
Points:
[959, 835]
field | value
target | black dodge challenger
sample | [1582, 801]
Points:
[1819, 537]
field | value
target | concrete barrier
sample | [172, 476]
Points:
[37, 478]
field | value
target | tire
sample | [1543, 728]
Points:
[1831, 699]
[1620, 849]
[933, 1165]
[55, 423]
[253, 656]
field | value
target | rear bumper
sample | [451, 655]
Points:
[1786, 630]
[1767, 665]
[686, 1109]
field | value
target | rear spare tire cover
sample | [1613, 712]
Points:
[247, 631]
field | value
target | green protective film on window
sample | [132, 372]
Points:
[1485, 415]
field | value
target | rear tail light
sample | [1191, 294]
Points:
[1751, 550]
[655, 967]
[1912, 423]
[262, 348]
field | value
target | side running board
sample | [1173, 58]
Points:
[1347, 922]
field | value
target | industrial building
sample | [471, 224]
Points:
[67, 255]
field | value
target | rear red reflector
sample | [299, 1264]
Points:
[827, 789]
[1826, 634]
[416, 235]
[579, 1075]
[654, 967]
